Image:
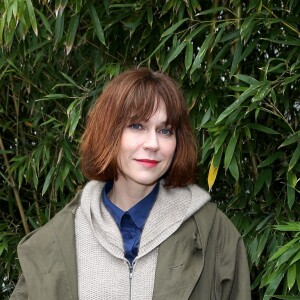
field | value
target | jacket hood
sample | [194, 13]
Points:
[171, 208]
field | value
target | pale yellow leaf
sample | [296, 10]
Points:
[212, 175]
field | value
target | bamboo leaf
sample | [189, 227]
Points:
[290, 79]
[234, 169]
[262, 243]
[218, 37]
[230, 36]
[252, 249]
[96, 23]
[59, 27]
[263, 222]
[195, 5]
[206, 117]
[262, 92]
[213, 169]
[248, 79]
[218, 57]
[45, 21]
[230, 151]
[290, 226]
[212, 175]
[287, 41]
[217, 158]
[262, 128]
[260, 181]
[54, 96]
[294, 158]
[207, 146]
[292, 179]
[249, 49]
[173, 27]
[291, 276]
[296, 258]
[173, 55]
[122, 5]
[247, 26]
[271, 159]
[291, 139]
[32, 16]
[298, 276]
[134, 22]
[236, 104]
[162, 43]
[291, 183]
[269, 178]
[69, 79]
[283, 249]
[48, 180]
[287, 255]
[74, 119]
[149, 15]
[196, 31]
[188, 55]
[2, 24]
[212, 11]
[275, 281]
[202, 51]
[72, 33]
[236, 57]
[220, 140]
[79, 6]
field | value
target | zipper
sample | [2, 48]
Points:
[130, 281]
[130, 277]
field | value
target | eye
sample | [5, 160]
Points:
[136, 126]
[166, 131]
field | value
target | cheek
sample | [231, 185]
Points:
[170, 150]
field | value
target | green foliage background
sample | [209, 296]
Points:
[238, 65]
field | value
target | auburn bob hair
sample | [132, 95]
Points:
[133, 96]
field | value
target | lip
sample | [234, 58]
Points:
[148, 163]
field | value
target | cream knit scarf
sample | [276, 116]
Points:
[103, 272]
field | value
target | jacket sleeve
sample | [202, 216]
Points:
[20, 291]
[238, 287]
[234, 271]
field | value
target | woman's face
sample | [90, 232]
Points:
[147, 149]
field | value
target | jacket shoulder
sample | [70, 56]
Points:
[45, 232]
[211, 220]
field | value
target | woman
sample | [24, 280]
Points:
[140, 229]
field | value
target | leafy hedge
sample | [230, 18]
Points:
[238, 64]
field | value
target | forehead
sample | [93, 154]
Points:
[159, 114]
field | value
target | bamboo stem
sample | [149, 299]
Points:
[37, 207]
[283, 22]
[212, 30]
[238, 27]
[20, 132]
[15, 190]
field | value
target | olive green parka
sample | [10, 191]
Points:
[205, 259]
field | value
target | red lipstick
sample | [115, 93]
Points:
[148, 163]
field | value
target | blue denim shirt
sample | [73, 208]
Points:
[131, 222]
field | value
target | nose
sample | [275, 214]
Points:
[151, 141]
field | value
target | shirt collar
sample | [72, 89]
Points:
[139, 212]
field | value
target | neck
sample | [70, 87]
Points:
[125, 194]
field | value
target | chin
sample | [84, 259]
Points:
[147, 182]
